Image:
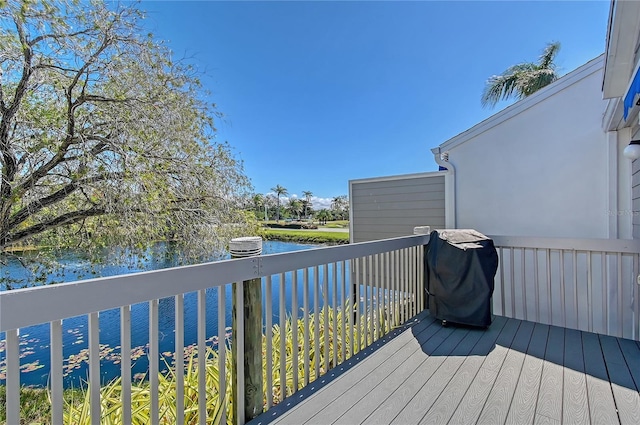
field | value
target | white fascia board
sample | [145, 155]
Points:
[613, 115]
[584, 71]
[622, 39]
[398, 177]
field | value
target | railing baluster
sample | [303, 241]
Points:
[589, 292]
[400, 270]
[550, 300]
[503, 296]
[575, 287]
[94, 368]
[620, 297]
[316, 320]
[405, 285]
[202, 356]
[385, 286]
[412, 262]
[605, 298]
[125, 362]
[356, 285]
[370, 292]
[636, 291]
[409, 284]
[153, 362]
[416, 274]
[282, 311]
[379, 297]
[376, 297]
[269, 337]
[335, 313]
[306, 324]
[412, 281]
[294, 328]
[512, 279]
[179, 357]
[536, 285]
[408, 269]
[365, 288]
[350, 314]
[421, 276]
[379, 260]
[563, 309]
[222, 354]
[344, 310]
[523, 282]
[12, 353]
[57, 389]
[325, 308]
[393, 272]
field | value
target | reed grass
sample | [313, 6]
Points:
[35, 404]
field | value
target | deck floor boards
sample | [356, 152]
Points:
[516, 372]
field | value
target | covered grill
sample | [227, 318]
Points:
[460, 267]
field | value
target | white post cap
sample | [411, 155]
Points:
[422, 230]
[248, 246]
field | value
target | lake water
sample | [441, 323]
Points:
[34, 341]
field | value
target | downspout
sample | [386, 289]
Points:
[442, 159]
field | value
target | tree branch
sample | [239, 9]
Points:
[57, 36]
[62, 220]
[57, 196]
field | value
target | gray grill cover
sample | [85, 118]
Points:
[460, 266]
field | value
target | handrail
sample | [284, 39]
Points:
[30, 306]
[630, 246]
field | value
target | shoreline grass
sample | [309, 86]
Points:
[36, 403]
[306, 236]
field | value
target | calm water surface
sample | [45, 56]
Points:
[34, 341]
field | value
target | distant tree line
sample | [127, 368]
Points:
[272, 206]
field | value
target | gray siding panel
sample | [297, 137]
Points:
[388, 208]
[636, 198]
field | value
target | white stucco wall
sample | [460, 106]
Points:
[538, 168]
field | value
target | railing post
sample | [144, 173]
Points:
[251, 335]
[422, 298]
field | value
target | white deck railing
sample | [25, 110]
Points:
[585, 284]
[383, 278]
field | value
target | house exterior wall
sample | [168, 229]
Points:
[539, 167]
[635, 190]
[392, 206]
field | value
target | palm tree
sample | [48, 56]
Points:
[279, 191]
[307, 196]
[523, 79]
[259, 204]
[295, 207]
[339, 205]
[323, 215]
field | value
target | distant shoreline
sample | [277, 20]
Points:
[307, 236]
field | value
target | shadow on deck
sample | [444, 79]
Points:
[514, 372]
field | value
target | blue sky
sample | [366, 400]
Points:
[318, 93]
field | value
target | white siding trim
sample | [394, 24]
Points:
[398, 177]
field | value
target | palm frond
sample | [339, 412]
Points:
[548, 55]
[534, 81]
[523, 79]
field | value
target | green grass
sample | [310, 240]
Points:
[337, 224]
[307, 236]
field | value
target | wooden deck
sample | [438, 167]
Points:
[516, 372]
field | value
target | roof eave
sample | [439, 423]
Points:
[620, 47]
